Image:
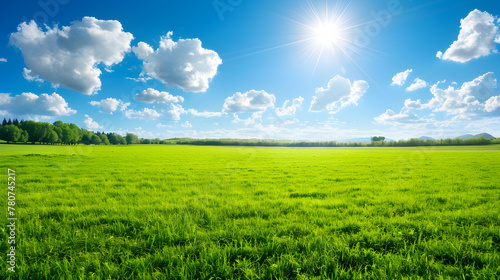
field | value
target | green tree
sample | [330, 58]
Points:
[104, 139]
[24, 137]
[131, 138]
[52, 137]
[10, 133]
[94, 139]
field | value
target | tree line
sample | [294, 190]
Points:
[14, 131]
[59, 133]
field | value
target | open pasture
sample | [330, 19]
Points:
[190, 212]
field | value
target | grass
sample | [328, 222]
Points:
[188, 212]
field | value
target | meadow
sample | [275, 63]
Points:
[201, 212]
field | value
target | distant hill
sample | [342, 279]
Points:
[470, 136]
[426, 138]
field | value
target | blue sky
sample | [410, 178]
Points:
[294, 69]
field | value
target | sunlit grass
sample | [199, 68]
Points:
[186, 212]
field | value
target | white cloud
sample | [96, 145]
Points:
[400, 78]
[140, 79]
[468, 100]
[29, 77]
[174, 113]
[3, 59]
[109, 105]
[294, 121]
[253, 120]
[410, 104]
[204, 114]
[338, 94]
[187, 124]
[152, 95]
[417, 84]
[250, 101]
[31, 104]
[91, 124]
[291, 109]
[492, 104]
[145, 114]
[390, 117]
[183, 64]
[477, 38]
[69, 56]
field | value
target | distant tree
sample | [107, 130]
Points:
[94, 139]
[86, 136]
[24, 137]
[145, 141]
[10, 133]
[104, 139]
[58, 123]
[113, 139]
[122, 140]
[131, 138]
[4, 122]
[52, 137]
[15, 122]
[9, 122]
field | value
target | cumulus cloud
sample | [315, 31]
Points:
[410, 104]
[145, 114]
[478, 37]
[70, 56]
[468, 100]
[183, 64]
[152, 95]
[492, 104]
[289, 110]
[417, 84]
[91, 124]
[204, 114]
[29, 77]
[253, 120]
[390, 117]
[338, 94]
[109, 105]
[400, 78]
[250, 101]
[3, 59]
[174, 113]
[33, 105]
[187, 124]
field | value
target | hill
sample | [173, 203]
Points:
[470, 136]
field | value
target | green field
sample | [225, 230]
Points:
[190, 212]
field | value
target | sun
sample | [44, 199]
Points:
[327, 34]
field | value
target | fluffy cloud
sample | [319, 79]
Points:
[410, 104]
[69, 56]
[294, 121]
[174, 113]
[183, 64]
[492, 104]
[204, 114]
[390, 117]
[250, 101]
[468, 100]
[145, 114]
[289, 110]
[253, 120]
[29, 77]
[400, 78]
[152, 95]
[417, 84]
[187, 124]
[91, 124]
[338, 94]
[31, 104]
[3, 59]
[478, 37]
[109, 105]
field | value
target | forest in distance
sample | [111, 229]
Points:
[29, 131]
